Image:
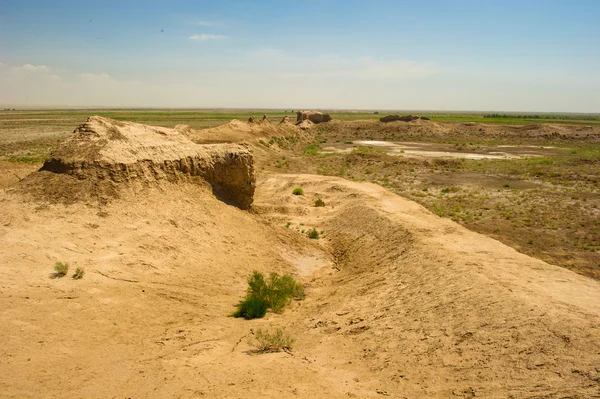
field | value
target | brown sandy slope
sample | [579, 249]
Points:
[149, 318]
[236, 131]
[420, 307]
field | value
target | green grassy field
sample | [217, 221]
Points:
[208, 118]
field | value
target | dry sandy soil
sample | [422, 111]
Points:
[400, 302]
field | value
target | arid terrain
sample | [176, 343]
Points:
[455, 259]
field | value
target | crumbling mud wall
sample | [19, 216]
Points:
[313, 116]
[103, 155]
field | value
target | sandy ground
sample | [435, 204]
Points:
[11, 172]
[400, 303]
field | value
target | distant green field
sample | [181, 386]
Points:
[207, 118]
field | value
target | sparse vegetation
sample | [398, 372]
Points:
[319, 202]
[79, 272]
[313, 234]
[273, 340]
[273, 293]
[298, 191]
[60, 269]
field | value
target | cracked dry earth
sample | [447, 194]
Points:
[400, 302]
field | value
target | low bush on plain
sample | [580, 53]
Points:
[298, 191]
[60, 269]
[273, 340]
[79, 272]
[319, 202]
[273, 293]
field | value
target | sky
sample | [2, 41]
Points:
[522, 56]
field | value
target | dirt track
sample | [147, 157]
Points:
[414, 305]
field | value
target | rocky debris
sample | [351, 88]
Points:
[285, 119]
[313, 116]
[252, 120]
[406, 118]
[265, 119]
[104, 154]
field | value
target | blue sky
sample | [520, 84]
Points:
[410, 55]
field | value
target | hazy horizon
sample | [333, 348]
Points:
[478, 56]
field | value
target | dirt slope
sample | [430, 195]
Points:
[238, 131]
[423, 307]
[149, 318]
[420, 307]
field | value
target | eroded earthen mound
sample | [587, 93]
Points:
[313, 116]
[405, 118]
[102, 154]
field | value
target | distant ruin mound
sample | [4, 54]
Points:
[406, 118]
[103, 154]
[313, 116]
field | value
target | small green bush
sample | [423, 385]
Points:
[313, 234]
[319, 202]
[251, 308]
[298, 191]
[79, 272]
[60, 269]
[273, 293]
[273, 340]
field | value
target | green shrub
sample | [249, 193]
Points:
[281, 290]
[79, 272]
[251, 308]
[298, 191]
[60, 269]
[273, 293]
[273, 340]
[319, 202]
[313, 234]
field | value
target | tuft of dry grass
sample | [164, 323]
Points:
[273, 340]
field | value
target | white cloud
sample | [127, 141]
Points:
[34, 68]
[205, 23]
[88, 75]
[203, 37]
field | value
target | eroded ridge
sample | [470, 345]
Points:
[102, 154]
